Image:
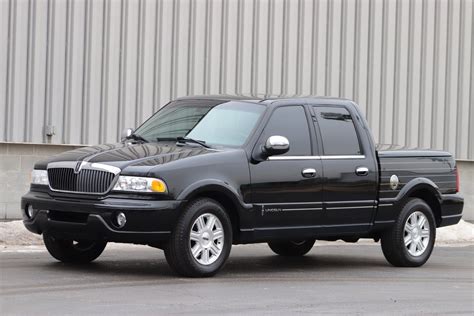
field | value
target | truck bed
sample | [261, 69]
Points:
[437, 166]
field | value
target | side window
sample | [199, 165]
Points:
[291, 122]
[338, 132]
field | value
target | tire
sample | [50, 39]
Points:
[196, 249]
[420, 239]
[70, 251]
[291, 248]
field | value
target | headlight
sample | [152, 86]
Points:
[39, 177]
[140, 184]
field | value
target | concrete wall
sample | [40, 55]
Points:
[17, 160]
[92, 68]
[16, 163]
[466, 174]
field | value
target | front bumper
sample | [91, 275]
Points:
[148, 221]
[451, 209]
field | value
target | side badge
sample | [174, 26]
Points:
[394, 182]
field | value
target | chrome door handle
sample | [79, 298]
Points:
[309, 173]
[362, 171]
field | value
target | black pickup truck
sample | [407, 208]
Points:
[207, 172]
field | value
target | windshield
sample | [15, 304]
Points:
[214, 122]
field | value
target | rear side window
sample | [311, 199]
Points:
[291, 122]
[338, 132]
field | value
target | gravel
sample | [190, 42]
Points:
[13, 233]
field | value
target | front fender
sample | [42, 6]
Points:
[213, 185]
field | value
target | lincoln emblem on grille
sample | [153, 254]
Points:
[79, 165]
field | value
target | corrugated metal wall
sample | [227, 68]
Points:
[91, 68]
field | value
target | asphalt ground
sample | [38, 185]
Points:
[331, 279]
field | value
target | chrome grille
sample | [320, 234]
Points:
[86, 181]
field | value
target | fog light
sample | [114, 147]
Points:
[121, 219]
[30, 211]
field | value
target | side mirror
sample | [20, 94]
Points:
[276, 145]
[126, 133]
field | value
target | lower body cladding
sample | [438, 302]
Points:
[110, 219]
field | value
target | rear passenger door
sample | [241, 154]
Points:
[349, 168]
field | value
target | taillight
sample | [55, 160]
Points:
[457, 179]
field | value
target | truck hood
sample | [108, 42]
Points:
[122, 155]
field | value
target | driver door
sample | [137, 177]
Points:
[286, 190]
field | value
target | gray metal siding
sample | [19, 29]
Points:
[91, 68]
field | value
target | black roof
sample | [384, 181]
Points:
[258, 98]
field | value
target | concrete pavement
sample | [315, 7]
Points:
[337, 279]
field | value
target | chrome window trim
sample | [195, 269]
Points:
[340, 157]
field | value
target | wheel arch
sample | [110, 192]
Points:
[224, 194]
[426, 190]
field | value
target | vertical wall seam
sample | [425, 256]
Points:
[174, 49]
[86, 73]
[300, 47]
[238, 57]
[422, 97]
[396, 82]
[356, 60]
[8, 80]
[460, 70]
[209, 49]
[69, 51]
[435, 102]
[29, 76]
[329, 36]
[223, 47]
[447, 76]
[140, 51]
[191, 47]
[370, 66]
[157, 55]
[122, 65]
[270, 47]
[284, 48]
[49, 82]
[410, 73]
[314, 48]
[343, 50]
[383, 74]
[104, 72]
[470, 140]
[254, 56]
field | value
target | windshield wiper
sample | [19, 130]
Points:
[191, 140]
[166, 139]
[137, 138]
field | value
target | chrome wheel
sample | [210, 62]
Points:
[206, 239]
[416, 234]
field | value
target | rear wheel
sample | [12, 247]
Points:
[291, 248]
[67, 250]
[200, 244]
[410, 241]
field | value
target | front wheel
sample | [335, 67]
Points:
[201, 241]
[70, 251]
[410, 241]
[291, 248]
